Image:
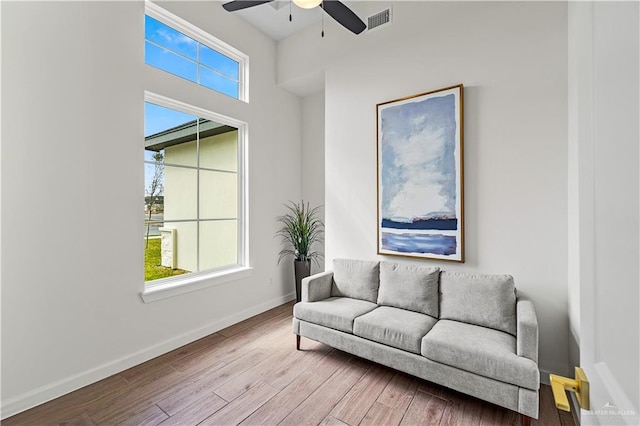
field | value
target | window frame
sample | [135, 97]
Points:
[171, 286]
[201, 36]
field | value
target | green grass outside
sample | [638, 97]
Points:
[152, 259]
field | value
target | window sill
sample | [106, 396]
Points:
[177, 286]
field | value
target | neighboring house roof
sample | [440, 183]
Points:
[184, 133]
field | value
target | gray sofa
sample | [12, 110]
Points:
[464, 331]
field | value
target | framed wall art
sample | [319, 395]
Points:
[420, 176]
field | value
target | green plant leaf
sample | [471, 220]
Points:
[301, 229]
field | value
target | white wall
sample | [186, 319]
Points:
[73, 83]
[313, 157]
[512, 59]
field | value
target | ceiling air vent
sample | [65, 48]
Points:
[379, 19]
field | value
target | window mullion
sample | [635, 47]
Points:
[186, 58]
[241, 206]
[198, 63]
[220, 73]
[198, 193]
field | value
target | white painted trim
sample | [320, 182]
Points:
[61, 387]
[575, 409]
[176, 286]
[609, 404]
[1, 261]
[164, 101]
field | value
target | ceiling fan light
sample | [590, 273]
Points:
[307, 4]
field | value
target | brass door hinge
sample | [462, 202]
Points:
[579, 385]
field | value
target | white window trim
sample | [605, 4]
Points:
[173, 286]
[188, 29]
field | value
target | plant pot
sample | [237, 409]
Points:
[302, 270]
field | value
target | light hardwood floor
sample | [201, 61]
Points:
[250, 374]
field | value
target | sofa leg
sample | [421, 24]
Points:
[297, 342]
[526, 420]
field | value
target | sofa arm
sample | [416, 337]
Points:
[317, 287]
[527, 330]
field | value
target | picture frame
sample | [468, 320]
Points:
[420, 175]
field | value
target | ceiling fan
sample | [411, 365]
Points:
[336, 9]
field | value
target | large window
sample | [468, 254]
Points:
[181, 49]
[195, 227]
[193, 190]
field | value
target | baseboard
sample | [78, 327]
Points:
[62, 387]
[544, 377]
[575, 408]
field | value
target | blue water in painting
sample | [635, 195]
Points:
[438, 224]
[420, 243]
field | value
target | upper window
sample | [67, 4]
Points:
[183, 50]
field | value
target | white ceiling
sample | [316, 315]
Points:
[273, 18]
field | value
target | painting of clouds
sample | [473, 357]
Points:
[420, 197]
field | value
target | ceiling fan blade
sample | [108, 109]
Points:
[232, 6]
[345, 16]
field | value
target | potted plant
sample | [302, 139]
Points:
[301, 229]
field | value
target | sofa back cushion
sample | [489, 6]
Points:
[486, 300]
[410, 287]
[358, 279]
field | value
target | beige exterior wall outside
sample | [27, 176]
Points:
[218, 200]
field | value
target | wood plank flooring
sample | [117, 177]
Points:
[251, 374]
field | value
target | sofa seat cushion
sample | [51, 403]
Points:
[395, 327]
[484, 351]
[335, 312]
